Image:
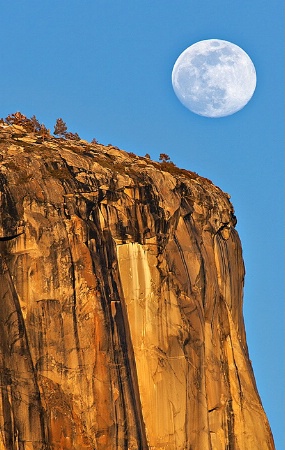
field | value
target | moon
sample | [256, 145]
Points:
[214, 78]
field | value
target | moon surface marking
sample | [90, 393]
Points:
[214, 78]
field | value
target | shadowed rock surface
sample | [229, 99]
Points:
[121, 321]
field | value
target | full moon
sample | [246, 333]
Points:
[214, 78]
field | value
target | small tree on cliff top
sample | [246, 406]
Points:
[35, 124]
[16, 118]
[44, 132]
[163, 157]
[31, 125]
[60, 128]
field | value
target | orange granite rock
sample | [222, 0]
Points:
[121, 322]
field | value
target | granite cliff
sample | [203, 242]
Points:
[121, 289]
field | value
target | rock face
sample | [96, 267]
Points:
[121, 320]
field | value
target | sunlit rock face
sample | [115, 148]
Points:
[121, 320]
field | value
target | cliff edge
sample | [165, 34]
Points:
[121, 287]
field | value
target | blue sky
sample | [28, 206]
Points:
[105, 67]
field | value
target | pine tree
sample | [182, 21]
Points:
[16, 118]
[44, 132]
[31, 125]
[163, 157]
[60, 128]
[35, 124]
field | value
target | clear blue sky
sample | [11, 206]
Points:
[105, 67]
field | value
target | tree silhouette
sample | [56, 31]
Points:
[44, 132]
[35, 124]
[31, 125]
[163, 157]
[16, 118]
[60, 128]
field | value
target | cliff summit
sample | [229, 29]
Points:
[121, 290]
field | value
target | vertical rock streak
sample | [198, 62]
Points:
[121, 308]
[22, 421]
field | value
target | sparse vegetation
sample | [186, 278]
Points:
[34, 124]
[16, 118]
[60, 128]
[31, 125]
[72, 136]
[163, 157]
[44, 132]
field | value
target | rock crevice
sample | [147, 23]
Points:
[121, 294]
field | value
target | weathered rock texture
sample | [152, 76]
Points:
[121, 305]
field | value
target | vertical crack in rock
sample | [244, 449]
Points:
[121, 289]
[23, 414]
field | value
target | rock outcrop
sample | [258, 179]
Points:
[121, 321]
